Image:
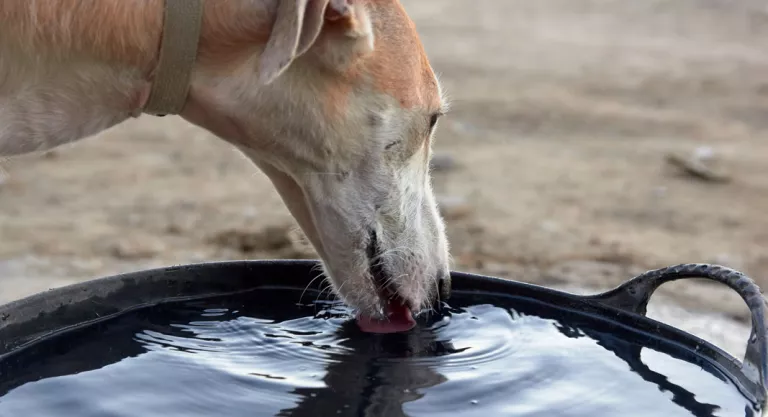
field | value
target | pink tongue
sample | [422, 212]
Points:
[398, 320]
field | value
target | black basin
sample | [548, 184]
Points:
[32, 321]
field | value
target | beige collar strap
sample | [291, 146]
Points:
[178, 51]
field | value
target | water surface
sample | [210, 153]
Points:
[262, 354]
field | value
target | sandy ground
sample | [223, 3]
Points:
[564, 112]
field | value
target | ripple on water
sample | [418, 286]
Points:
[240, 357]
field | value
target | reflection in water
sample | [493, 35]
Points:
[373, 380]
[630, 353]
[681, 396]
[241, 357]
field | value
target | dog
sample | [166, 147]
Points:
[334, 100]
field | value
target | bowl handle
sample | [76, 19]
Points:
[633, 296]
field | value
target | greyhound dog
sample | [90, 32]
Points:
[334, 100]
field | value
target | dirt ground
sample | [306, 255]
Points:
[553, 168]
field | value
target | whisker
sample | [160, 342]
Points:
[308, 285]
[328, 288]
[437, 288]
[336, 293]
[320, 294]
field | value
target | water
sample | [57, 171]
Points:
[244, 356]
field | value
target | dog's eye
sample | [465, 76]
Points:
[433, 121]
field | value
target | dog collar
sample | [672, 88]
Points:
[182, 23]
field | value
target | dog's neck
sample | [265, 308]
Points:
[126, 33]
[116, 32]
[73, 68]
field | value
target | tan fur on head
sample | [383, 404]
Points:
[334, 100]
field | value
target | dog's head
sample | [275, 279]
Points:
[338, 106]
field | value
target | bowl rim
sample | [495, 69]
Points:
[36, 317]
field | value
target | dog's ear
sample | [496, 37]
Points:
[350, 15]
[298, 24]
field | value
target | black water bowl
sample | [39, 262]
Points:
[260, 339]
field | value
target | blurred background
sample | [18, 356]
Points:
[589, 140]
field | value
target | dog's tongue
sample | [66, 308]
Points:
[399, 319]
